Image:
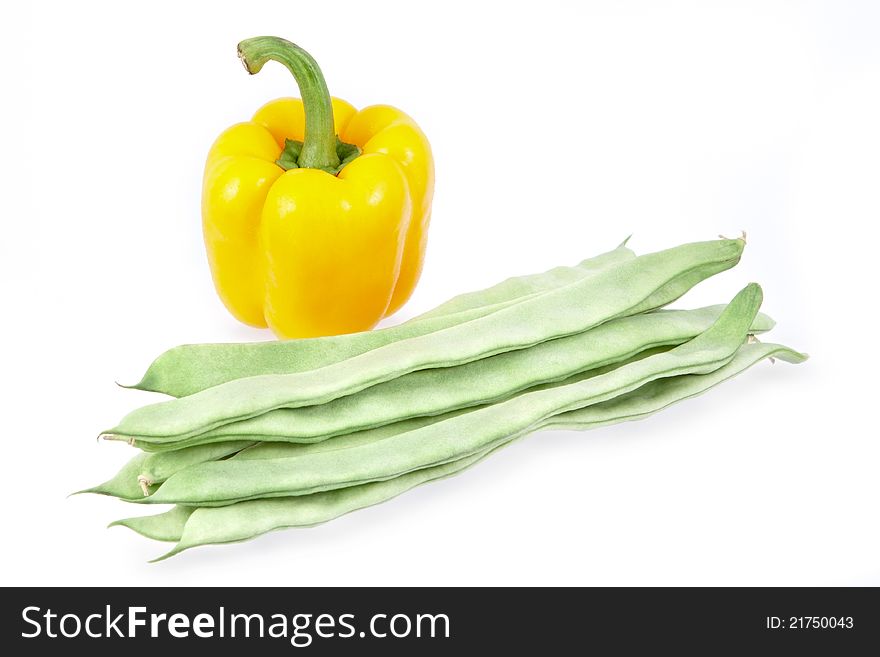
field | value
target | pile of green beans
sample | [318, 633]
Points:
[270, 435]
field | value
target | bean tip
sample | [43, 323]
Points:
[167, 555]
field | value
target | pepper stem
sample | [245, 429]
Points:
[319, 143]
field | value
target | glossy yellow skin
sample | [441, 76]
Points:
[305, 252]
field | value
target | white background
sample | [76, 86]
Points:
[558, 129]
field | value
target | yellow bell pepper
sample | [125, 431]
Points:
[315, 214]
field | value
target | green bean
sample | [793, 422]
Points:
[151, 469]
[219, 483]
[190, 368]
[636, 286]
[155, 467]
[153, 472]
[150, 473]
[439, 390]
[192, 527]
[159, 466]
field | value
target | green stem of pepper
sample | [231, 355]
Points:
[319, 144]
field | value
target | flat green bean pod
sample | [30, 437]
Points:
[151, 469]
[193, 527]
[190, 368]
[155, 467]
[633, 287]
[439, 390]
[225, 482]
